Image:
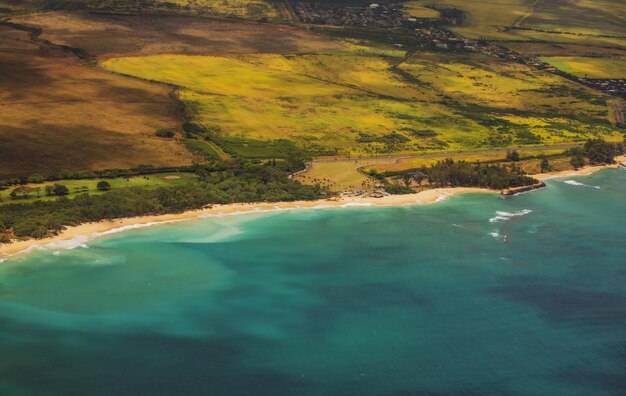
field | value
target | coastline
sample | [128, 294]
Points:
[83, 233]
[585, 171]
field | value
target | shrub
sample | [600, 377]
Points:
[512, 155]
[103, 186]
[577, 161]
[60, 190]
[164, 133]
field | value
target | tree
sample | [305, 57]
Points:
[49, 189]
[407, 178]
[60, 189]
[21, 192]
[577, 161]
[600, 152]
[103, 186]
[545, 165]
[512, 155]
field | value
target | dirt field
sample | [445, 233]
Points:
[110, 36]
[56, 115]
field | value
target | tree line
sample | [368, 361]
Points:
[218, 183]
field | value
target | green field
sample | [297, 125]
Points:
[589, 67]
[89, 186]
[416, 10]
[589, 22]
[359, 103]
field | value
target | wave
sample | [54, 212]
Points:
[444, 196]
[576, 183]
[131, 227]
[506, 216]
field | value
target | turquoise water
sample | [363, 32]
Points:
[477, 295]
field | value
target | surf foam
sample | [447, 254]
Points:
[506, 216]
[576, 183]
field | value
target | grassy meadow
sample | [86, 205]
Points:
[354, 102]
[417, 10]
[589, 67]
[76, 187]
[589, 22]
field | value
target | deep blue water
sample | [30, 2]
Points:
[477, 295]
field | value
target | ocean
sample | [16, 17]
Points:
[476, 295]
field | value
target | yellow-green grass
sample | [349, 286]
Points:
[580, 17]
[401, 164]
[353, 103]
[483, 18]
[366, 47]
[589, 67]
[542, 49]
[76, 187]
[337, 176]
[416, 10]
[593, 22]
[249, 9]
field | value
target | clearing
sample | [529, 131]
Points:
[82, 186]
[110, 36]
[57, 115]
[589, 67]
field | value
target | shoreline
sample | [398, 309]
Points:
[81, 234]
[584, 171]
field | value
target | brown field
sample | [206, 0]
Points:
[110, 36]
[57, 115]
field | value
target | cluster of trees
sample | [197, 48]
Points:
[218, 183]
[164, 133]
[597, 151]
[600, 152]
[88, 174]
[449, 173]
[25, 192]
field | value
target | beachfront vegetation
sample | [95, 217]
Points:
[216, 183]
[600, 152]
[450, 173]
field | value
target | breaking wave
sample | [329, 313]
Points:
[576, 183]
[506, 216]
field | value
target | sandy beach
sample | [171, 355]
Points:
[88, 231]
[587, 170]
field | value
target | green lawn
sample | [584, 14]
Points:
[89, 186]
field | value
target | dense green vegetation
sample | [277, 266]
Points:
[218, 183]
[600, 152]
[450, 173]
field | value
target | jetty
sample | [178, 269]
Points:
[517, 190]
